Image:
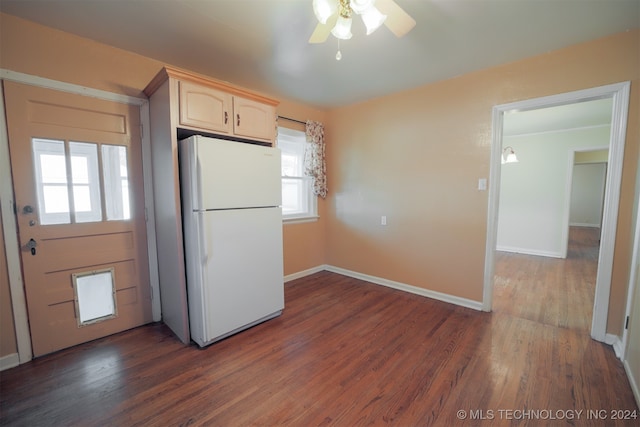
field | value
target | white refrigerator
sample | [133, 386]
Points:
[232, 220]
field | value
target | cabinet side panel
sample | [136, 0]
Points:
[166, 185]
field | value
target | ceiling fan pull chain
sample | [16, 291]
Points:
[339, 54]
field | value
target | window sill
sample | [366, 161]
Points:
[300, 219]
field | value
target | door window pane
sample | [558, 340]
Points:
[86, 181]
[51, 181]
[116, 182]
[56, 200]
[54, 167]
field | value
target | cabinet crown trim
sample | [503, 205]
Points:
[175, 73]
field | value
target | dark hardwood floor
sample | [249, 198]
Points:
[343, 353]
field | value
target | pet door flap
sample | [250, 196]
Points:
[95, 296]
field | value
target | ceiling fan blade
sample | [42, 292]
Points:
[322, 31]
[320, 34]
[398, 21]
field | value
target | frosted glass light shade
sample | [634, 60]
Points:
[324, 9]
[511, 158]
[373, 19]
[342, 30]
[361, 6]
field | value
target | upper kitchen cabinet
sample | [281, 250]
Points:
[216, 111]
[213, 107]
[205, 108]
[253, 119]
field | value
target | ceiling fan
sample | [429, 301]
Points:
[335, 17]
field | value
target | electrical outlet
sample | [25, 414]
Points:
[482, 184]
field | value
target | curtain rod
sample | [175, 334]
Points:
[292, 120]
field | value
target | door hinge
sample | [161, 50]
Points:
[626, 323]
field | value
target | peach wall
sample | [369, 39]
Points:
[33, 49]
[416, 157]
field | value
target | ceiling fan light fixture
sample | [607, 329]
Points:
[361, 6]
[373, 19]
[324, 9]
[342, 30]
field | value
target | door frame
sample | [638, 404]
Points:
[620, 95]
[566, 224]
[633, 281]
[7, 209]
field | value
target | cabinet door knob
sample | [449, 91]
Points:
[238, 117]
[226, 117]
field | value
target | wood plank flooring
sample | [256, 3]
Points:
[551, 291]
[343, 353]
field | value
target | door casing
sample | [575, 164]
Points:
[620, 94]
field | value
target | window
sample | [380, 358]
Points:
[298, 201]
[58, 162]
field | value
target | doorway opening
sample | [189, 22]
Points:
[556, 246]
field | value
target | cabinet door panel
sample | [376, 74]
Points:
[205, 108]
[253, 120]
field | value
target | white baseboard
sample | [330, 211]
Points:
[527, 251]
[616, 343]
[583, 224]
[632, 381]
[476, 305]
[9, 361]
[304, 273]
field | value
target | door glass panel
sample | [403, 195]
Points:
[51, 181]
[54, 167]
[53, 188]
[86, 181]
[56, 200]
[116, 182]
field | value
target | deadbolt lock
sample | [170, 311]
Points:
[31, 245]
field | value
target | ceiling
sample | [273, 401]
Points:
[262, 44]
[587, 114]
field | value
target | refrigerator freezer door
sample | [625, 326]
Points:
[229, 174]
[241, 269]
